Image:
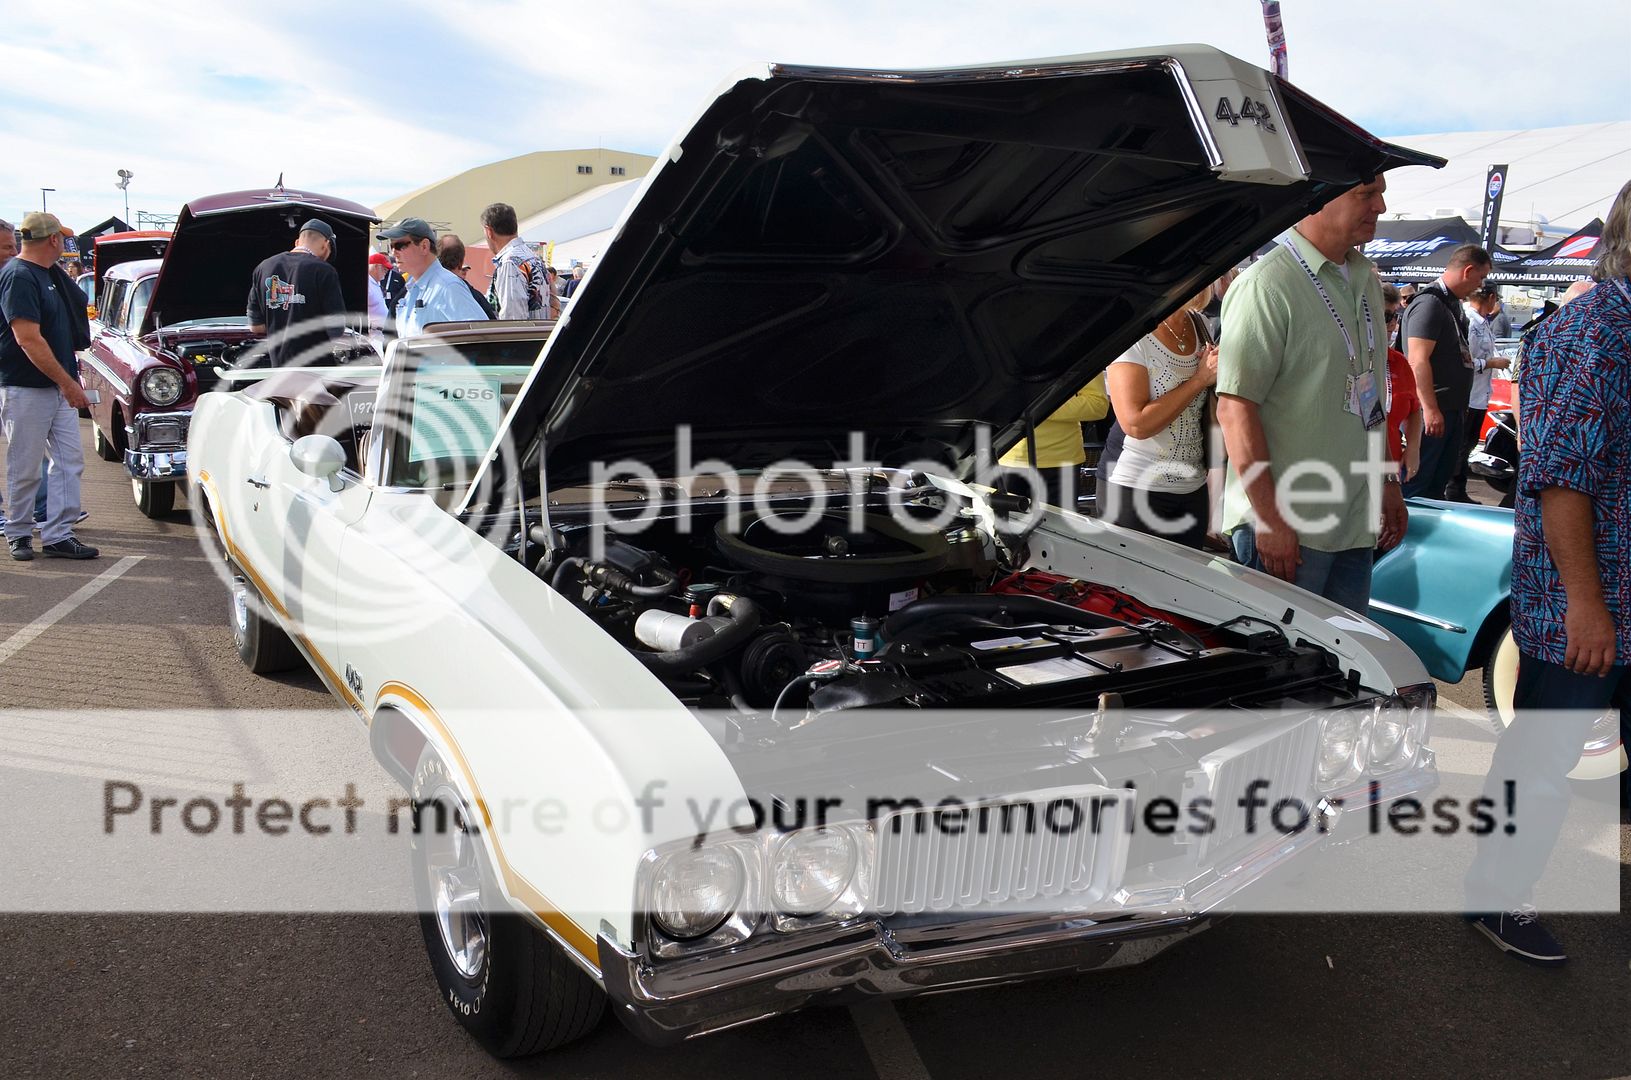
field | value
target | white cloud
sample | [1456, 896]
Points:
[197, 97]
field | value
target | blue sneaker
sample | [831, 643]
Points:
[1522, 934]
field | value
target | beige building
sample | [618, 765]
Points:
[532, 183]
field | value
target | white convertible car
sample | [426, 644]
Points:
[569, 581]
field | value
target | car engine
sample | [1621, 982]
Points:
[789, 616]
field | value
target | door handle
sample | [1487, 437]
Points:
[254, 482]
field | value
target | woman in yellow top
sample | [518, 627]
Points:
[1059, 451]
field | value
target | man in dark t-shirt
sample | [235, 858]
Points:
[42, 322]
[1435, 340]
[294, 298]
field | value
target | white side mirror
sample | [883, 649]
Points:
[320, 456]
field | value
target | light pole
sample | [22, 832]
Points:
[124, 186]
[43, 190]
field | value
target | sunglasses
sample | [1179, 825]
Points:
[406, 241]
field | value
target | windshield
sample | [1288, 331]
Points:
[448, 416]
[139, 302]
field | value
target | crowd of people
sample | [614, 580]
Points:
[1315, 357]
[424, 277]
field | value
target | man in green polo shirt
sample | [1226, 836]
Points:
[1302, 375]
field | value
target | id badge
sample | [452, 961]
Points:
[1366, 402]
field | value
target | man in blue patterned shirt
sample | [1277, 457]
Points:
[1571, 582]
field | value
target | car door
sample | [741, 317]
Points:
[295, 522]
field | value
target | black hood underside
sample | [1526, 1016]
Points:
[913, 259]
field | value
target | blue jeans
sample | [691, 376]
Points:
[1536, 754]
[1342, 577]
[1439, 455]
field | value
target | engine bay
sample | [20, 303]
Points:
[786, 616]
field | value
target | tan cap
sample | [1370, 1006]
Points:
[40, 225]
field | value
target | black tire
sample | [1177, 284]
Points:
[262, 645]
[521, 994]
[154, 500]
[104, 446]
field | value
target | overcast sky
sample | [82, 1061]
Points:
[200, 96]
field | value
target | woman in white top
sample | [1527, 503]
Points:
[1152, 475]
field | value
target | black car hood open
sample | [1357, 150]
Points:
[220, 239]
[916, 255]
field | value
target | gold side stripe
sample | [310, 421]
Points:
[515, 884]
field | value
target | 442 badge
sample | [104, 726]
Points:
[1252, 112]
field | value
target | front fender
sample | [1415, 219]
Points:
[1440, 587]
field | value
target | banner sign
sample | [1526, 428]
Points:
[1494, 188]
[1570, 259]
[1277, 37]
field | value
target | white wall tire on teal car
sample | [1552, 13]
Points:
[1603, 758]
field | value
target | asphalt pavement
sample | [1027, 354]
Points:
[182, 995]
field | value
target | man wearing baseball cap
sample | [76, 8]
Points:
[295, 301]
[391, 283]
[379, 312]
[42, 325]
[435, 294]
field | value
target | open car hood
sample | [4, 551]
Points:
[220, 239]
[116, 249]
[915, 255]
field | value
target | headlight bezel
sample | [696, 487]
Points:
[841, 850]
[739, 923]
[668, 917]
[144, 385]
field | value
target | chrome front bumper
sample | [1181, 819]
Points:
[668, 1001]
[156, 466]
[159, 441]
[866, 960]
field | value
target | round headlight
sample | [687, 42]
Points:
[696, 891]
[1390, 734]
[1341, 747]
[162, 385]
[812, 869]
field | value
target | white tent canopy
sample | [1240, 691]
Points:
[1558, 178]
[580, 226]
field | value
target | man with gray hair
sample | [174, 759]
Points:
[1571, 585]
[520, 289]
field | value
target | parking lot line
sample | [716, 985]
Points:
[17, 642]
[887, 1042]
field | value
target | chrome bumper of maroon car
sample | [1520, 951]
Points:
[158, 446]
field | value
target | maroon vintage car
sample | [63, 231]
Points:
[167, 326]
[115, 249]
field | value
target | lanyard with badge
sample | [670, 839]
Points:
[1364, 397]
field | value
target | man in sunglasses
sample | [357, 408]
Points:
[435, 294]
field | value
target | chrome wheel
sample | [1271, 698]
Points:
[454, 873]
[240, 611]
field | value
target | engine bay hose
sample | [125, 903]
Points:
[744, 620]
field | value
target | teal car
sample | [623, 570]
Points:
[1445, 591]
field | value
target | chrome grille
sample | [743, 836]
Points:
[1006, 857]
[1284, 756]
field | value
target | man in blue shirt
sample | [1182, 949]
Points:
[42, 324]
[435, 294]
[1571, 583]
